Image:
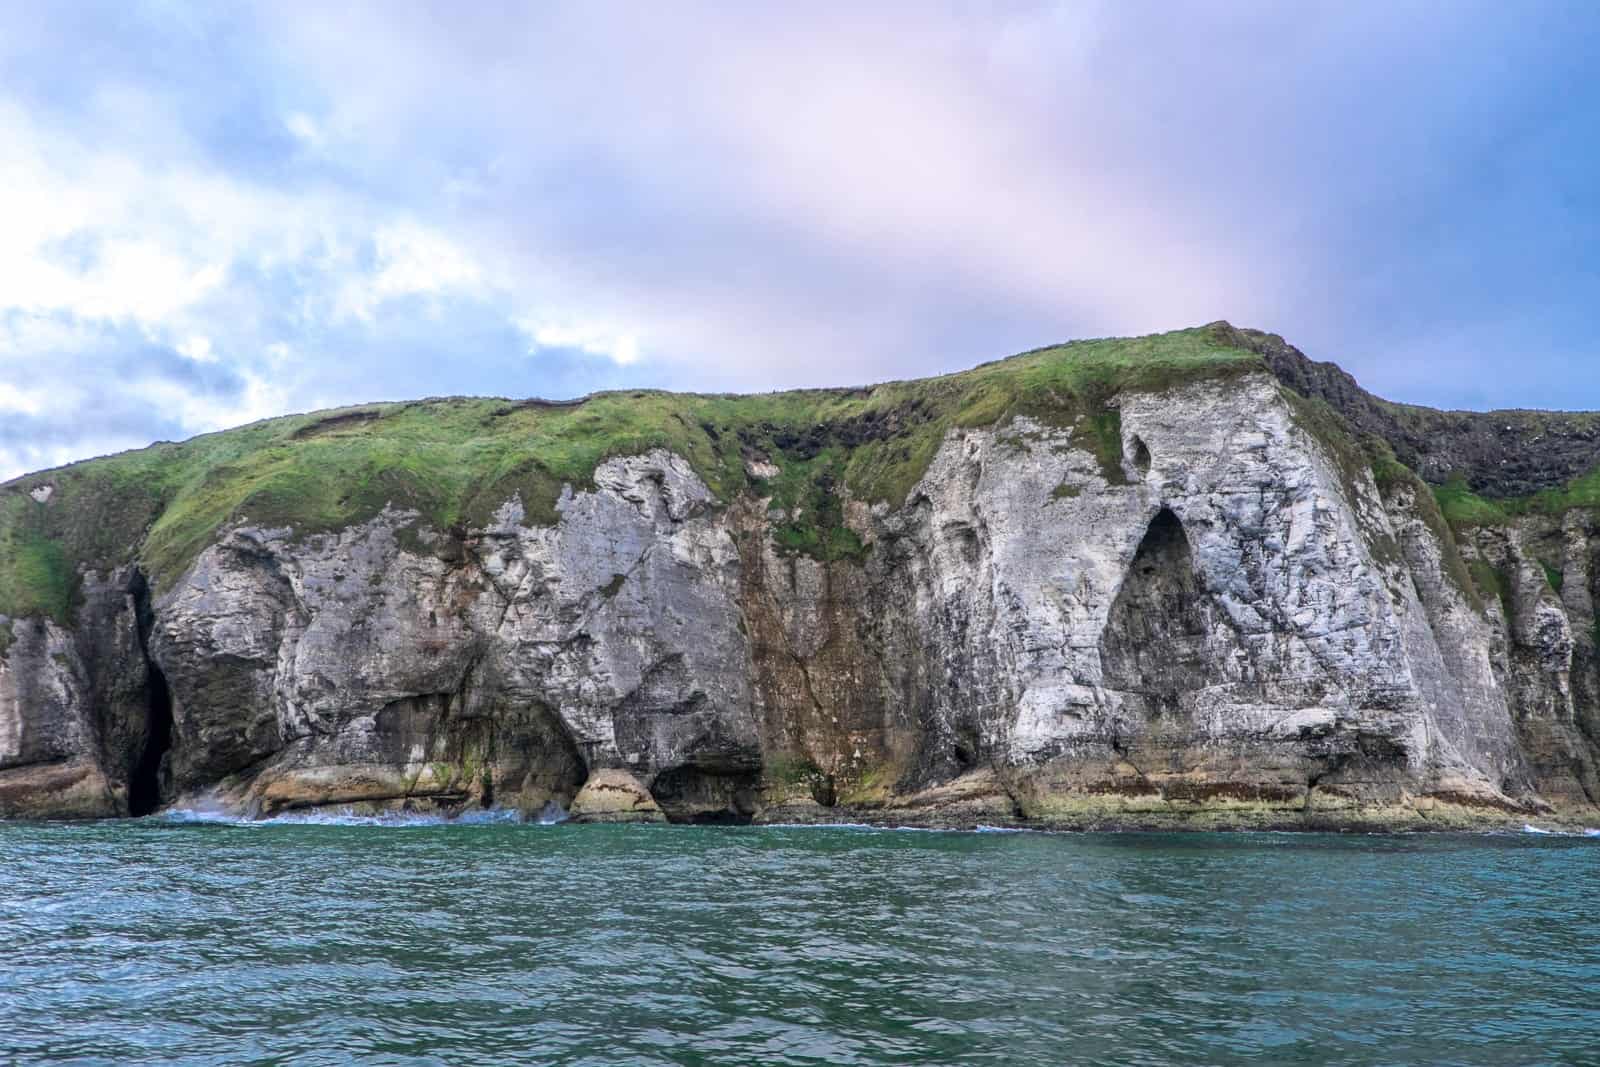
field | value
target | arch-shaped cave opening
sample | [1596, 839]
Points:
[145, 779]
[1163, 637]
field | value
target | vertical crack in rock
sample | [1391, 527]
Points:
[1162, 635]
[145, 790]
[146, 785]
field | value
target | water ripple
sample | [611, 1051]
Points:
[313, 942]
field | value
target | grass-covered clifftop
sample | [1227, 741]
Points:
[456, 460]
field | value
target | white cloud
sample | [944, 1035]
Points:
[412, 260]
[616, 345]
[755, 198]
[790, 205]
[259, 399]
[140, 259]
[21, 401]
[197, 348]
[106, 249]
[304, 128]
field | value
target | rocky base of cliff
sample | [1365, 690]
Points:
[983, 799]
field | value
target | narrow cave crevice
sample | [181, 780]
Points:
[966, 748]
[146, 776]
[145, 779]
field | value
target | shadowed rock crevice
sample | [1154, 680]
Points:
[537, 761]
[1141, 456]
[147, 783]
[707, 795]
[1162, 637]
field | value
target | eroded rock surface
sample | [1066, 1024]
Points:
[615, 796]
[1230, 625]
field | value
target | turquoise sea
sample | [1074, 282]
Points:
[166, 941]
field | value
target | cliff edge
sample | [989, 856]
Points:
[1186, 580]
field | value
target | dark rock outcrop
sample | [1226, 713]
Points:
[1497, 453]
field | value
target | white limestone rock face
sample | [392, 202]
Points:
[386, 665]
[49, 765]
[1230, 622]
[1541, 646]
[1209, 619]
[624, 618]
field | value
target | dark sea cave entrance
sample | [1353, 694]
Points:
[698, 795]
[1163, 638]
[144, 780]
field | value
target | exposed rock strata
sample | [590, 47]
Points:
[1234, 629]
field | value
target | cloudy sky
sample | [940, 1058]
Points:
[215, 212]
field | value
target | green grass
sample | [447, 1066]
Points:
[456, 460]
[1387, 471]
[1463, 507]
[1553, 575]
[1581, 492]
[1100, 432]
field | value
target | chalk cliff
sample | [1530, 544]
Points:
[1191, 580]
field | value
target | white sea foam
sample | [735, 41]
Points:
[1531, 829]
[551, 814]
[205, 815]
[348, 817]
[881, 828]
